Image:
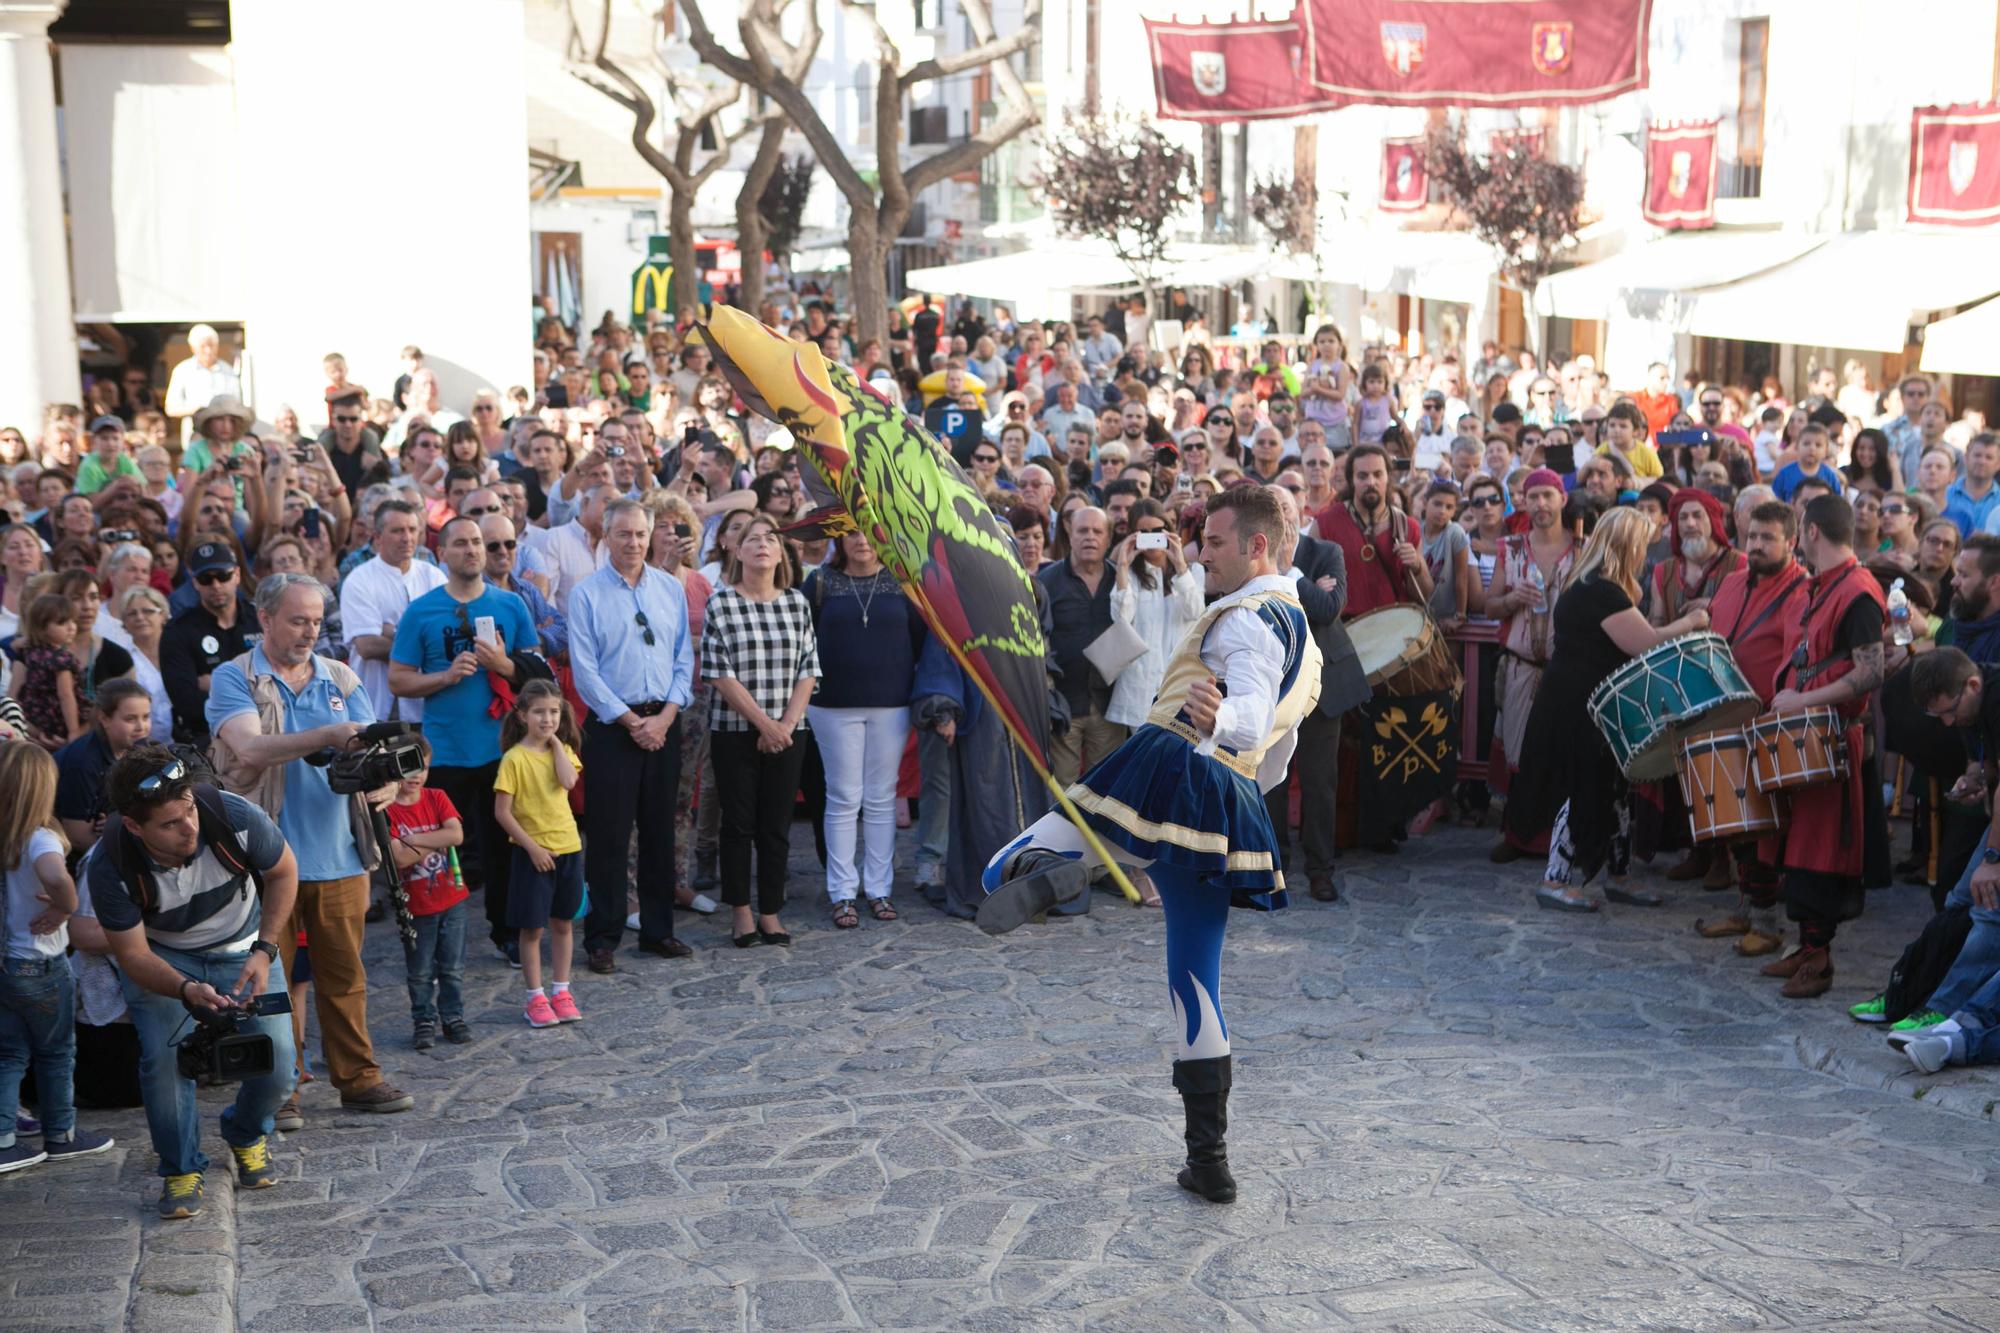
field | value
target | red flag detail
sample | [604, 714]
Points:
[1680, 176]
[1529, 141]
[1474, 52]
[1405, 184]
[1955, 165]
[1229, 71]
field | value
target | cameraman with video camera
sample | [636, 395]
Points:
[193, 888]
[272, 710]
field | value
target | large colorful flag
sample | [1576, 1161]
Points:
[1405, 184]
[1474, 52]
[1680, 175]
[1955, 165]
[1229, 71]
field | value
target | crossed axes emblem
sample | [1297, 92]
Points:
[1431, 722]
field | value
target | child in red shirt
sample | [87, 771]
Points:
[426, 828]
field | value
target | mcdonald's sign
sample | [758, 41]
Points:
[652, 281]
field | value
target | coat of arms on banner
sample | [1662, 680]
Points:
[1679, 167]
[1406, 176]
[1551, 45]
[1209, 71]
[1403, 46]
[1961, 164]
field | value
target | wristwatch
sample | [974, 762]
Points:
[1991, 856]
[265, 947]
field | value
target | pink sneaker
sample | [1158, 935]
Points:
[565, 1008]
[539, 1012]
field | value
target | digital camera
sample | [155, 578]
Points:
[387, 752]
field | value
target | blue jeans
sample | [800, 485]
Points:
[933, 807]
[437, 967]
[1979, 957]
[38, 1018]
[162, 1020]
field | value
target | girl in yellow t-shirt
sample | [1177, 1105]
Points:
[531, 802]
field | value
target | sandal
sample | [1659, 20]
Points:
[1149, 896]
[883, 909]
[844, 915]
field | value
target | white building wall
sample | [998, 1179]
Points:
[442, 114]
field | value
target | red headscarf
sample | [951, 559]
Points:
[1717, 517]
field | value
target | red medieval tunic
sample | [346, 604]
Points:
[1822, 841]
[1672, 590]
[1757, 615]
[1375, 577]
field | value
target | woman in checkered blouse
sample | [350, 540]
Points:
[757, 646]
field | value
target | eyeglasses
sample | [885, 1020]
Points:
[346, 421]
[481, 512]
[639, 619]
[213, 577]
[781, 492]
[986, 458]
[494, 548]
[484, 407]
[1485, 501]
[172, 773]
[1887, 510]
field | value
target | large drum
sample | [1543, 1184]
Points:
[1686, 685]
[1403, 653]
[1801, 749]
[1723, 802]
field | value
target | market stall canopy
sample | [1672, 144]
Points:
[1638, 282]
[1965, 344]
[1039, 283]
[1435, 265]
[1859, 291]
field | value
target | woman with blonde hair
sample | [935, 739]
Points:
[1568, 774]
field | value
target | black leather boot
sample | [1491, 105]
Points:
[1204, 1089]
[1037, 879]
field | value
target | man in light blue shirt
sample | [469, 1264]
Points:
[633, 661]
[1973, 498]
[323, 705]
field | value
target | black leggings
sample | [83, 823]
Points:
[756, 793]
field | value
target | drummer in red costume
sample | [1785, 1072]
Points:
[1688, 578]
[1756, 609]
[1834, 657]
[1382, 545]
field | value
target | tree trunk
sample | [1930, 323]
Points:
[751, 233]
[868, 276]
[680, 247]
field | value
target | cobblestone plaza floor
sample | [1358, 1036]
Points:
[1453, 1112]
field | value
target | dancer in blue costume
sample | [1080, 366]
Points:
[1183, 800]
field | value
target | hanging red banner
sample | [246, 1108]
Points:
[1530, 141]
[1229, 71]
[1405, 184]
[1474, 52]
[1955, 165]
[1680, 176]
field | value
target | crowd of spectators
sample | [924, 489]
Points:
[582, 593]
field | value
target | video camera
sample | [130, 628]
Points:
[224, 1048]
[383, 753]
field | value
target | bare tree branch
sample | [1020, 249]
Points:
[987, 48]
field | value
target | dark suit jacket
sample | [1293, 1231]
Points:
[1342, 682]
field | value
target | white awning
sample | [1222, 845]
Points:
[1965, 344]
[1638, 282]
[1037, 284]
[1436, 265]
[1860, 291]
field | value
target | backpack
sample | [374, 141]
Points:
[1921, 969]
[128, 857]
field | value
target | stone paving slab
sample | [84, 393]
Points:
[1452, 1112]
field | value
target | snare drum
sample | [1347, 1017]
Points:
[1402, 652]
[1686, 685]
[1723, 802]
[1799, 749]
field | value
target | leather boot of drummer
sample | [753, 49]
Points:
[1812, 977]
[1204, 1089]
[1721, 871]
[1693, 866]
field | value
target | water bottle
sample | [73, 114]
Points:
[1899, 615]
[1541, 587]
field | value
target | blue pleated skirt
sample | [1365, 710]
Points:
[1160, 801]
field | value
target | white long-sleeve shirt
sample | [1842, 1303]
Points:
[1241, 651]
[1160, 617]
